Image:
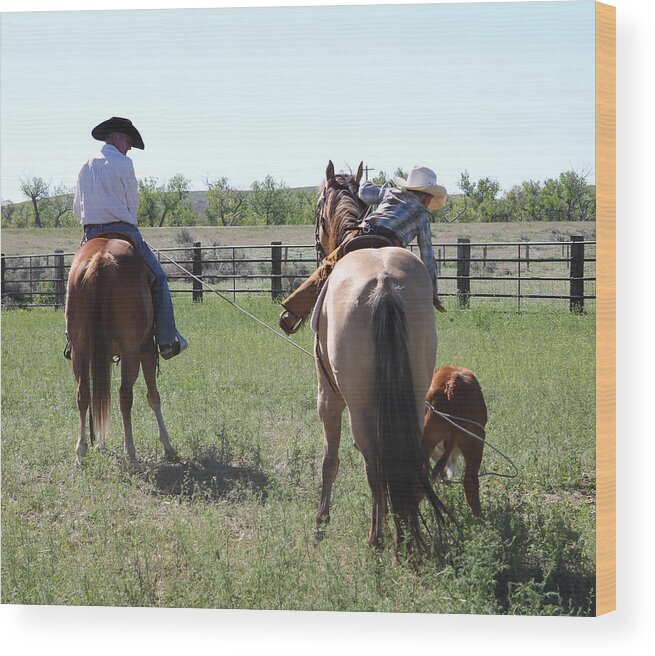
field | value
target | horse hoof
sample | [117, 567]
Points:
[135, 466]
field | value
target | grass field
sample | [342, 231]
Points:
[231, 524]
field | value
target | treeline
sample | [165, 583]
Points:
[270, 202]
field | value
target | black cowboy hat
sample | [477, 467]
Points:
[118, 124]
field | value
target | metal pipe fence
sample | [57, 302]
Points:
[525, 271]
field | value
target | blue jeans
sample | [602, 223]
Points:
[165, 331]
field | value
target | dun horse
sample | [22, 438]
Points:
[376, 348]
[109, 312]
[456, 392]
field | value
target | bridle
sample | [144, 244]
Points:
[339, 183]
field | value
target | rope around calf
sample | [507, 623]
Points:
[449, 419]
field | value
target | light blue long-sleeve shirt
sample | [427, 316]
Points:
[402, 212]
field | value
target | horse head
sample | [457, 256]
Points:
[339, 209]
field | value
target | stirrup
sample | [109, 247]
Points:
[289, 329]
[167, 351]
[67, 350]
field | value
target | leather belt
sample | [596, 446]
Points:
[100, 225]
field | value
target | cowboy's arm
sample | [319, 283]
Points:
[424, 239]
[131, 187]
[77, 202]
[371, 194]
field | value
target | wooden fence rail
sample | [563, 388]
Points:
[508, 269]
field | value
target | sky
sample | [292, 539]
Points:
[501, 90]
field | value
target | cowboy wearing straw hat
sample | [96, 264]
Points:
[106, 200]
[402, 214]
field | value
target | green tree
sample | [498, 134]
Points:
[159, 202]
[302, 207]
[173, 196]
[524, 202]
[481, 198]
[58, 207]
[9, 213]
[37, 190]
[569, 198]
[225, 204]
[269, 201]
[148, 212]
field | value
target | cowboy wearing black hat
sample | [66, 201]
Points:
[106, 200]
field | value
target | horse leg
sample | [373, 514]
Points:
[440, 466]
[473, 458]
[149, 364]
[81, 370]
[330, 408]
[129, 371]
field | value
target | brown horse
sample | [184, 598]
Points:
[339, 209]
[376, 348]
[455, 391]
[109, 312]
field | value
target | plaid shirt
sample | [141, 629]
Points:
[402, 212]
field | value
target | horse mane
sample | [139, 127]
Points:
[339, 209]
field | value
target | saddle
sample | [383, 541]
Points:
[117, 234]
[366, 241]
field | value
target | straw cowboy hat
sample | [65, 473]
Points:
[118, 124]
[423, 179]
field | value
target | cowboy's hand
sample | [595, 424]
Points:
[437, 304]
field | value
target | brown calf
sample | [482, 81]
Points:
[456, 392]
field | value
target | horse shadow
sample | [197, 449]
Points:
[208, 476]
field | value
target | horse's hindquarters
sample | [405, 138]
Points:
[377, 329]
[345, 327]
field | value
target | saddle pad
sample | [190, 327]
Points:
[316, 312]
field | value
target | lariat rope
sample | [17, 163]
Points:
[232, 303]
[448, 418]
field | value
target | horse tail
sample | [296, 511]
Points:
[402, 467]
[97, 281]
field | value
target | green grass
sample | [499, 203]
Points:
[231, 524]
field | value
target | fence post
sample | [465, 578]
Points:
[197, 271]
[59, 279]
[276, 269]
[577, 273]
[463, 271]
[2, 281]
[527, 255]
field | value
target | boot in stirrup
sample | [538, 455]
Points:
[289, 322]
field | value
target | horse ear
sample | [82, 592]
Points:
[329, 171]
[360, 170]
